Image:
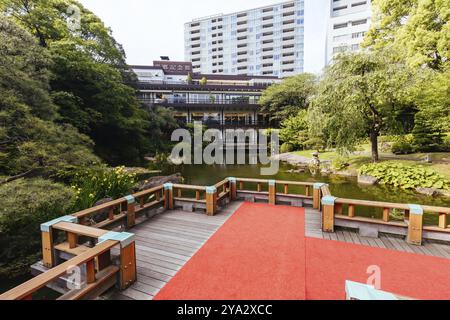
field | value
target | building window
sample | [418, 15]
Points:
[357, 35]
[340, 26]
[359, 22]
[357, 4]
[339, 8]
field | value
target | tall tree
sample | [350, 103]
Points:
[361, 95]
[287, 98]
[420, 29]
[30, 141]
[91, 84]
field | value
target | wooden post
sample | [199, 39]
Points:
[72, 238]
[48, 256]
[90, 271]
[317, 193]
[241, 185]
[328, 203]
[158, 195]
[307, 191]
[386, 214]
[128, 274]
[131, 218]
[233, 188]
[258, 188]
[211, 200]
[111, 214]
[415, 228]
[141, 202]
[179, 193]
[407, 214]
[339, 208]
[168, 196]
[272, 192]
[286, 189]
[351, 210]
[443, 223]
[197, 195]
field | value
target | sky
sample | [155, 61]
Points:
[148, 29]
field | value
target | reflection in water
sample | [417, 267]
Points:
[342, 187]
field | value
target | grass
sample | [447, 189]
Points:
[357, 159]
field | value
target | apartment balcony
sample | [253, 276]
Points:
[289, 43]
[182, 104]
[163, 87]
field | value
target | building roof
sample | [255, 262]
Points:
[184, 68]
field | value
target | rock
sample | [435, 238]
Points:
[296, 170]
[367, 180]
[431, 192]
[444, 193]
[346, 173]
[326, 171]
[157, 181]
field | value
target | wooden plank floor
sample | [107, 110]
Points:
[167, 241]
[164, 244]
[313, 230]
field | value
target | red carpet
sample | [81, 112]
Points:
[331, 263]
[258, 254]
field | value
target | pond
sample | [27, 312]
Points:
[343, 187]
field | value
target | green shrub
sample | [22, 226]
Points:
[91, 185]
[25, 205]
[287, 147]
[406, 177]
[340, 163]
[402, 147]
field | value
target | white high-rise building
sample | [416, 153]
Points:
[348, 23]
[263, 41]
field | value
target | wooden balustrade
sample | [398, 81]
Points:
[413, 220]
[26, 290]
[98, 259]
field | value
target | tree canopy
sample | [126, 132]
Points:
[361, 96]
[91, 85]
[418, 29]
[287, 98]
[29, 139]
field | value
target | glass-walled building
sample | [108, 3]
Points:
[263, 41]
[216, 100]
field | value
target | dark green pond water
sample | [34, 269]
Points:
[342, 187]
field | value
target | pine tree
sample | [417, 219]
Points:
[427, 138]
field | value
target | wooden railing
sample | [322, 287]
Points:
[333, 208]
[90, 224]
[26, 290]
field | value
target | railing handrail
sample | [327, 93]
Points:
[391, 205]
[26, 289]
[325, 191]
[79, 229]
[113, 203]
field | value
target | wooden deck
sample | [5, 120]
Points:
[167, 241]
[164, 244]
[313, 230]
